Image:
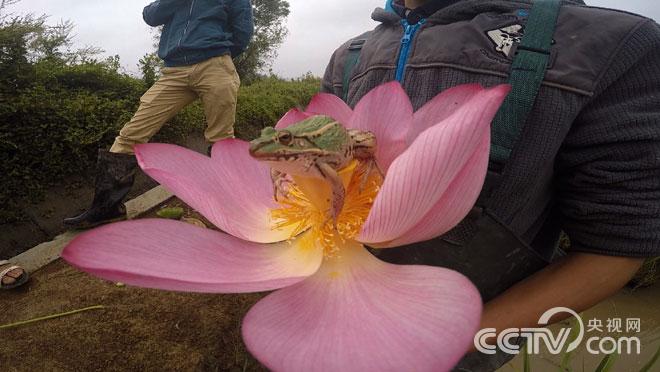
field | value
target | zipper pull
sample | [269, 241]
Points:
[407, 34]
[410, 30]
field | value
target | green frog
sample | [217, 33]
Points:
[316, 147]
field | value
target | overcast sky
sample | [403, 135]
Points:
[316, 28]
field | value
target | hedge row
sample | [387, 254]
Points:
[52, 127]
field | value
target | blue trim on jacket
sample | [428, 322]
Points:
[196, 30]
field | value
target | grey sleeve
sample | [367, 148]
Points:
[609, 166]
[326, 83]
[334, 72]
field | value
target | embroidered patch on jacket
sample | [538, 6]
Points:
[504, 38]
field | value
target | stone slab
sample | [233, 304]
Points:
[45, 253]
[146, 202]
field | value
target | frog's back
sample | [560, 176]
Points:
[309, 125]
[325, 132]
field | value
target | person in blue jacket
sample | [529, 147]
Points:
[196, 30]
[197, 44]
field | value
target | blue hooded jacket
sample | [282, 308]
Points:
[196, 30]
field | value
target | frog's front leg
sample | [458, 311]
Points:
[371, 166]
[338, 191]
[281, 183]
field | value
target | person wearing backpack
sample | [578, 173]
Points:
[198, 41]
[575, 147]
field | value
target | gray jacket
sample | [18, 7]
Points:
[588, 159]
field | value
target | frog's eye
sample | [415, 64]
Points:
[285, 138]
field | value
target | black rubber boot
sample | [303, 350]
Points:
[115, 174]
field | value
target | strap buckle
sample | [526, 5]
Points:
[356, 44]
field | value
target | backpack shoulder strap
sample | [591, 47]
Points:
[527, 72]
[352, 59]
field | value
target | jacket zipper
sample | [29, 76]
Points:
[406, 41]
[185, 29]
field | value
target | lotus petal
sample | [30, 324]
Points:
[172, 255]
[358, 313]
[231, 189]
[330, 105]
[454, 204]
[441, 107]
[424, 173]
[387, 112]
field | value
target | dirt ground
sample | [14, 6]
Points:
[138, 330]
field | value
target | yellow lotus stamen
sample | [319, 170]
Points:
[309, 211]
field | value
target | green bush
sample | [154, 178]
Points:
[190, 119]
[263, 103]
[49, 131]
[53, 128]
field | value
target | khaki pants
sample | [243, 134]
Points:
[215, 81]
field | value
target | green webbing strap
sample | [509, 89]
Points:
[527, 73]
[352, 59]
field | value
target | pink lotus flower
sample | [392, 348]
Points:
[338, 307]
